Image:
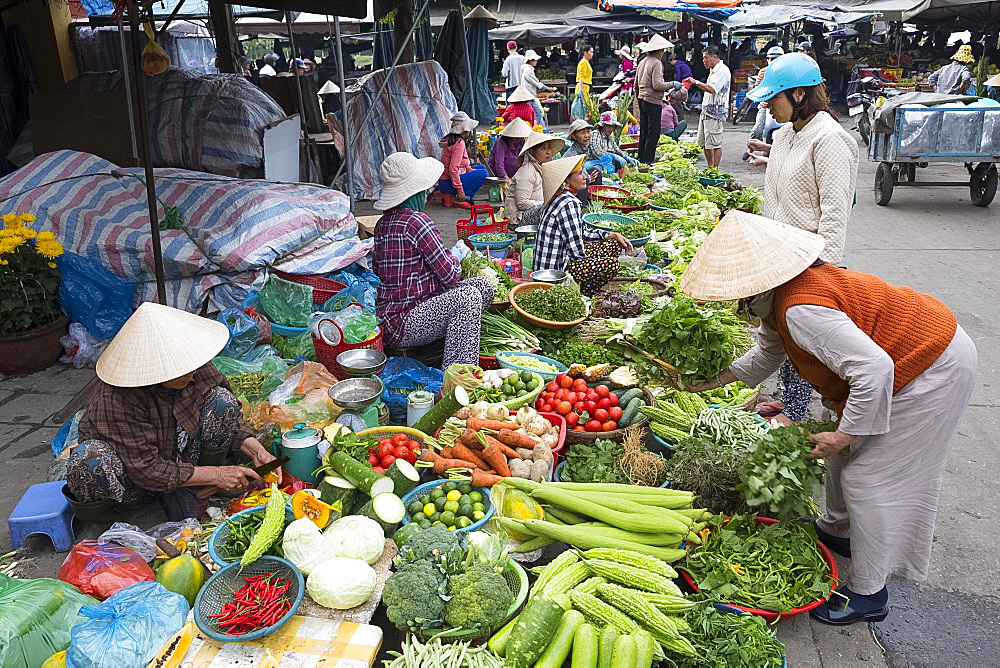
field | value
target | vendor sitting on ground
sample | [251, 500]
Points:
[461, 180]
[518, 106]
[579, 137]
[670, 125]
[159, 405]
[604, 148]
[523, 204]
[421, 298]
[503, 158]
[560, 242]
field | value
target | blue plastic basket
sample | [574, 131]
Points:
[504, 359]
[594, 220]
[641, 241]
[425, 488]
[494, 245]
[281, 330]
[221, 533]
[220, 588]
[558, 474]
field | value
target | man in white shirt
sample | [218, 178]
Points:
[511, 70]
[268, 69]
[714, 104]
[533, 85]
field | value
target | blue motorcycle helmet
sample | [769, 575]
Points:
[787, 72]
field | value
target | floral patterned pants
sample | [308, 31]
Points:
[455, 316]
[797, 393]
[600, 266]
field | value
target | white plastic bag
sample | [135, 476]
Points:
[81, 348]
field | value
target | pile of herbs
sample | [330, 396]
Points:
[618, 304]
[779, 474]
[693, 339]
[771, 567]
[558, 303]
[636, 230]
[654, 252]
[476, 264]
[606, 461]
[714, 173]
[711, 472]
[575, 351]
[722, 640]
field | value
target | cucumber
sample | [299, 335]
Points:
[333, 488]
[534, 629]
[439, 413]
[629, 396]
[404, 477]
[606, 646]
[498, 641]
[557, 651]
[387, 509]
[631, 412]
[405, 533]
[584, 647]
[360, 475]
[644, 648]
[624, 652]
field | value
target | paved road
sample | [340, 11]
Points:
[933, 240]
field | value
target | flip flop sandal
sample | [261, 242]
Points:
[768, 409]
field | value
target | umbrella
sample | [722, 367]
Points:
[479, 61]
[450, 52]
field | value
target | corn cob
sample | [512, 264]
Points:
[589, 586]
[632, 558]
[601, 614]
[567, 578]
[639, 578]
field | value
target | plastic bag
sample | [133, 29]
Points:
[401, 376]
[468, 376]
[243, 332]
[358, 276]
[35, 619]
[303, 397]
[578, 110]
[144, 542]
[93, 296]
[81, 348]
[299, 347]
[67, 436]
[286, 303]
[128, 629]
[154, 59]
[102, 570]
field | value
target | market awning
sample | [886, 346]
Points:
[974, 13]
[672, 5]
[536, 34]
[758, 16]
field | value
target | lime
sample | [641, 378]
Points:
[526, 376]
[425, 524]
[464, 522]
[425, 499]
[532, 385]
[520, 386]
[465, 487]
[448, 486]
[429, 509]
[478, 515]
[479, 507]
[436, 493]
[464, 499]
[451, 528]
[454, 495]
[509, 390]
[521, 392]
[440, 502]
[475, 497]
[433, 524]
[452, 506]
[465, 510]
[415, 507]
[435, 518]
[419, 516]
[448, 517]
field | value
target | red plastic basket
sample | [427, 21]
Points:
[477, 223]
[621, 193]
[326, 354]
[769, 615]
[323, 288]
[624, 209]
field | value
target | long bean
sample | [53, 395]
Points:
[435, 653]
[736, 429]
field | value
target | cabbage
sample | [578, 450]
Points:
[304, 545]
[341, 583]
[355, 537]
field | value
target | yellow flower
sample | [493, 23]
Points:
[52, 265]
[6, 234]
[3, 262]
[704, 533]
[10, 244]
[27, 217]
[28, 233]
[737, 569]
[49, 249]
[46, 236]
[537, 128]
[12, 221]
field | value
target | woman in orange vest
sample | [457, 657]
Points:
[893, 363]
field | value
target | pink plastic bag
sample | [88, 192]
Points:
[102, 570]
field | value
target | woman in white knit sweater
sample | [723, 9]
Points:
[810, 180]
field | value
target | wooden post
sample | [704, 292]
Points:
[227, 46]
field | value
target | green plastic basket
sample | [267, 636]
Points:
[597, 220]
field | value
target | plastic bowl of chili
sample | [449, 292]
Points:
[261, 596]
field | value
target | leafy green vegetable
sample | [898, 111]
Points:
[558, 303]
[710, 471]
[714, 173]
[476, 264]
[722, 640]
[594, 462]
[575, 351]
[691, 338]
[654, 252]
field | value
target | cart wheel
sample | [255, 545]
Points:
[884, 181]
[983, 184]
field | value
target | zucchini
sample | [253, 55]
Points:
[534, 629]
[405, 533]
[644, 648]
[532, 544]
[360, 475]
[557, 651]
[585, 647]
[439, 413]
[588, 538]
[404, 477]
[606, 646]
[629, 396]
[333, 488]
[498, 641]
[624, 653]
[387, 509]
[631, 412]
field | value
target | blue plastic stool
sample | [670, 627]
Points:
[43, 509]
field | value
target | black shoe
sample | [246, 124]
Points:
[838, 611]
[841, 546]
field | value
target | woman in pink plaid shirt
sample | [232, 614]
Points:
[421, 298]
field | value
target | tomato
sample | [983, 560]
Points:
[579, 385]
[412, 446]
[578, 406]
[593, 396]
[387, 461]
[604, 403]
[564, 407]
[373, 460]
[593, 425]
[610, 425]
[565, 382]
[602, 390]
[414, 455]
[615, 413]
[572, 419]
[559, 379]
[401, 452]
[613, 398]
[601, 414]
[379, 470]
[589, 406]
[561, 394]
[385, 447]
[552, 386]
[539, 403]
[579, 427]
[383, 441]
[400, 439]
[545, 408]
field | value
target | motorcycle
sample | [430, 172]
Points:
[747, 109]
[863, 101]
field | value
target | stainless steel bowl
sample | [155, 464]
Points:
[549, 276]
[526, 231]
[362, 362]
[356, 392]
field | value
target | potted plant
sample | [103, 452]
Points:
[31, 322]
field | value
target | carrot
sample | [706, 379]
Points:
[514, 439]
[484, 479]
[468, 438]
[429, 455]
[447, 453]
[505, 449]
[475, 424]
[442, 465]
[463, 452]
[498, 462]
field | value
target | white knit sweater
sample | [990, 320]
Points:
[811, 178]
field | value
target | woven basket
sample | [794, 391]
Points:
[616, 435]
[323, 288]
[535, 320]
[661, 287]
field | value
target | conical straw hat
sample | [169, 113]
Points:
[516, 129]
[746, 255]
[657, 43]
[554, 174]
[993, 81]
[536, 138]
[520, 94]
[159, 343]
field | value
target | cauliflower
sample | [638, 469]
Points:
[479, 599]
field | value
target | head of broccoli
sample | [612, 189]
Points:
[436, 544]
[412, 597]
[480, 598]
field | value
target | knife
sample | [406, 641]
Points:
[261, 470]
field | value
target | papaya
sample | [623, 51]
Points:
[305, 504]
[182, 575]
[518, 505]
[57, 660]
[173, 652]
